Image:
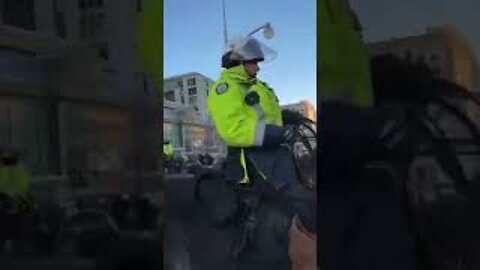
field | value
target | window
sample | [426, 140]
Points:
[59, 18]
[192, 100]
[60, 25]
[191, 82]
[19, 13]
[170, 95]
[92, 24]
[192, 91]
[103, 52]
[180, 84]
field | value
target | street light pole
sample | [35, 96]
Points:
[268, 32]
[225, 37]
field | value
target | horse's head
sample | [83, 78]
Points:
[305, 147]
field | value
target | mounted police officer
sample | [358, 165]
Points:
[168, 149]
[15, 195]
[247, 115]
[168, 152]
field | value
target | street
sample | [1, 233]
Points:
[209, 245]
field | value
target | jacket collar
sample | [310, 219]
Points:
[239, 74]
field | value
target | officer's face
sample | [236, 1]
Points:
[252, 68]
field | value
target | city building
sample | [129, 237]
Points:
[186, 120]
[189, 89]
[303, 107]
[443, 49]
[449, 56]
[72, 95]
[181, 126]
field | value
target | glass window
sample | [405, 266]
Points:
[103, 52]
[171, 132]
[170, 95]
[191, 82]
[192, 100]
[19, 13]
[25, 123]
[192, 91]
[59, 19]
[192, 134]
[180, 84]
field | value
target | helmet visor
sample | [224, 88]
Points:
[248, 49]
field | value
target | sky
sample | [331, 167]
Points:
[193, 40]
[383, 19]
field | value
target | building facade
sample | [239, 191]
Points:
[448, 54]
[72, 95]
[191, 90]
[443, 49]
[186, 120]
[303, 107]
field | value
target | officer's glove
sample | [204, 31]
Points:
[275, 135]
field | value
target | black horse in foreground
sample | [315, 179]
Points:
[433, 141]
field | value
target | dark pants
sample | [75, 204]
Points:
[282, 183]
[363, 222]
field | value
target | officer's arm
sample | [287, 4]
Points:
[236, 122]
